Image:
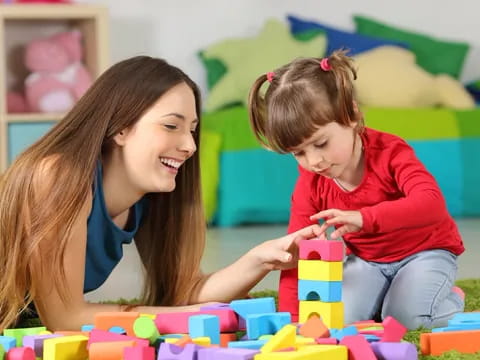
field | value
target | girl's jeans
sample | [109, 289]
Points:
[417, 290]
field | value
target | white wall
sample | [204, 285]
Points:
[177, 29]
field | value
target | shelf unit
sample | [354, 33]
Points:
[21, 23]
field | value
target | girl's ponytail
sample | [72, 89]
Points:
[257, 110]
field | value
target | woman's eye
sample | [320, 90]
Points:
[321, 145]
[171, 127]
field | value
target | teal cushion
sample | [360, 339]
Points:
[210, 142]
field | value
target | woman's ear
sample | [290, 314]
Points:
[121, 137]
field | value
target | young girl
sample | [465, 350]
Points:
[122, 164]
[401, 242]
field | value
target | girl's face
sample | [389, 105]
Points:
[161, 141]
[329, 151]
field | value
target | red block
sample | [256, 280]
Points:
[326, 250]
[393, 331]
[358, 348]
[139, 353]
[177, 323]
[21, 353]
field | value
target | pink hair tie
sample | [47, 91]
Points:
[325, 65]
[270, 76]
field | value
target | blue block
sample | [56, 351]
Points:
[339, 334]
[464, 317]
[8, 342]
[87, 327]
[117, 330]
[459, 327]
[326, 291]
[371, 338]
[266, 324]
[247, 307]
[205, 325]
[249, 344]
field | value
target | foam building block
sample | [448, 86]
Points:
[216, 306]
[205, 325]
[320, 270]
[117, 330]
[106, 320]
[326, 250]
[314, 290]
[108, 350]
[177, 323]
[66, 348]
[226, 354]
[174, 352]
[314, 328]
[284, 338]
[393, 330]
[440, 342]
[471, 317]
[330, 313]
[106, 336]
[225, 338]
[394, 351]
[145, 328]
[87, 327]
[19, 333]
[21, 353]
[245, 307]
[358, 348]
[346, 331]
[35, 342]
[310, 352]
[326, 341]
[264, 324]
[462, 326]
[247, 344]
[8, 342]
[139, 353]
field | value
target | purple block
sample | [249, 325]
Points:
[174, 352]
[226, 354]
[35, 342]
[394, 351]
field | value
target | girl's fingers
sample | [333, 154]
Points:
[323, 214]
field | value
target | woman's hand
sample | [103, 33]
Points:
[282, 253]
[352, 221]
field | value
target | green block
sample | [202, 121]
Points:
[469, 122]
[145, 328]
[18, 334]
[414, 123]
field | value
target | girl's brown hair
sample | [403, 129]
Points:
[171, 237]
[301, 97]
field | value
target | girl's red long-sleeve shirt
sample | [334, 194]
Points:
[401, 204]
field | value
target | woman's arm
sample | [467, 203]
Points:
[237, 279]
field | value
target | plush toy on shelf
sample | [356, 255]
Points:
[58, 77]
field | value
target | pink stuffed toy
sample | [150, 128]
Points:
[58, 77]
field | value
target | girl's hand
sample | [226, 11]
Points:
[282, 253]
[352, 221]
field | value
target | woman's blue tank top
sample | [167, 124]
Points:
[105, 239]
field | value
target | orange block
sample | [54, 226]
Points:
[184, 340]
[437, 343]
[225, 338]
[108, 350]
[314, 328]
[107, 320]
[70, 333]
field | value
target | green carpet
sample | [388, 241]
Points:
[472, 303]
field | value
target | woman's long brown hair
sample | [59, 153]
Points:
[171, 237]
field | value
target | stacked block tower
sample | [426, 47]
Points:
[320, 274]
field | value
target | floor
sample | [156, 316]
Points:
[225, 245]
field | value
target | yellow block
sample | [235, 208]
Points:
[171, 340]
[310, 352]
[331, 313]
[66, 348]
[151, 316]
[202, 341]
[302, 341]
[283, 339]
[320, 270]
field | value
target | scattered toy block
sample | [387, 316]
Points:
[226, 354]
[326, 341]
[346, 331]
[248, 344]
[394, 351]
[145, 328]
[117, 330]
[184, 340]
[168, 323]
[284, 338]
[202, 341]
[358, 348]
[315, 290]
[303, 340]
[330, 313]
[320, 270]
[468, 317]
[174, 352]
[8, 342]
[139, 353]
[106, 320]
[106, 336]
[35, 342]
[88, 327]
[226, 338]
[109, 350]
[21, 353]
[65, 348]
[264, 324]
[326, 250]
[393, 330]
[71, 333]
[205, 325]
[19, 333]
[245, 307]
[314, 328]
[437, 343]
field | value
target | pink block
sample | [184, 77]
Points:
[358, 348]
[326, 250]
[393, 331]
[378, 333]
[226, 354]
[326, 341]
[97, 335]
[139, 353]
[177, 323]
[21, 353]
